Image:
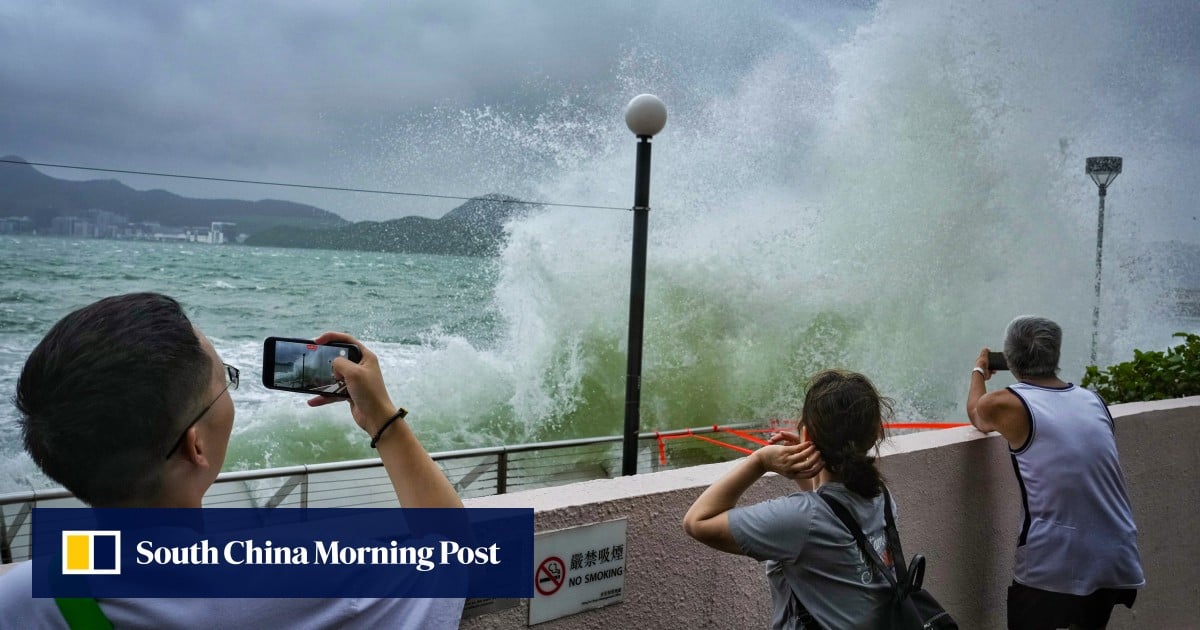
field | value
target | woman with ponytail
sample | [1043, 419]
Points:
[817, 574]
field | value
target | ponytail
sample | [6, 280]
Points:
[857, 471]
[844, 415]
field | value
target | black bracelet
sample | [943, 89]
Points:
[400, 413]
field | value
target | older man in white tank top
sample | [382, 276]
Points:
[1077, 553]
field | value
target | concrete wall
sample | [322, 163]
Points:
[959, 507]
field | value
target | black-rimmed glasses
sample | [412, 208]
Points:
[232, 376]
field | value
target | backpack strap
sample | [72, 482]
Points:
[893, 541]
[82, 613]
[864, 545]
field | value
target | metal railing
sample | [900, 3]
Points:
[364, 483]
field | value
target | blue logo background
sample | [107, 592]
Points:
[464, 538]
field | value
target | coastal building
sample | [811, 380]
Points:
[98, 223]
[95, 223]
[16, 225]
[216, 233]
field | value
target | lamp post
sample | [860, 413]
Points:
[1102, 170]
[645, 116]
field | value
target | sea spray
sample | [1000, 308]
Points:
[885, 201]
[879, 189]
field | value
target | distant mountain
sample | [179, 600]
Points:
[475, 228]
[25, 191]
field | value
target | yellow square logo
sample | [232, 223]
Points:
[91, 552]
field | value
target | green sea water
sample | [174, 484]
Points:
[490, 351]
[238, 296]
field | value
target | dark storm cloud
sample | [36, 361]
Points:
[279, 89]
[262, 77]
[365, 94]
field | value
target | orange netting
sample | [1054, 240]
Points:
[775, 426]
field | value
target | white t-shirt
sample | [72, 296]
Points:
[18, 609]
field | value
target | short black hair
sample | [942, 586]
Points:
[106, 392]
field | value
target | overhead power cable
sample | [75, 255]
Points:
[309, 186]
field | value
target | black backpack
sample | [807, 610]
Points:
[913, 607]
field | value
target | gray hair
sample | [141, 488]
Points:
[1031, 346]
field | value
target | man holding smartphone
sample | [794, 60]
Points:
[1077, 554]
[119, 383]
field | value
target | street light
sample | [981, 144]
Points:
[1102, 170]
[646, 115]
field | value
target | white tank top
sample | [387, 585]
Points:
[1078, 533]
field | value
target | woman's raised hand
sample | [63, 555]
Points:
[790, 457]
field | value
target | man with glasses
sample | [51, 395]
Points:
[233, 378]
[119, 383]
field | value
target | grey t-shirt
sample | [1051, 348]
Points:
[810, 553]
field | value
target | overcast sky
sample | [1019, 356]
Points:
[322, 92]
[400, 95]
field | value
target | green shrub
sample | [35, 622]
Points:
[1150, 375]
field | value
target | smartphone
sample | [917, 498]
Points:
[996, 361]
[299, 365]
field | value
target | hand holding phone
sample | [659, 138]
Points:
[996, 361]
[304, 366]
[369, 401]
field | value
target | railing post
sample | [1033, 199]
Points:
[8, 533]
[6, 556]
[654, 465]
[502, 472]
[304, 488]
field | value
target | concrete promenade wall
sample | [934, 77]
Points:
[959, 506]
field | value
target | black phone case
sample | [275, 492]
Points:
[268, 364]
[996, 361]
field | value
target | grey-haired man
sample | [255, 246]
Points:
[1077, 554]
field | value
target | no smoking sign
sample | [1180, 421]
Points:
[550, 576]
[578, 569]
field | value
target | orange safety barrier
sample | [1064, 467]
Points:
[925, 425]
[775, 427]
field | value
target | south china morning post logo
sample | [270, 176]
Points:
[282, 552]
[91, 552]
[267, 553]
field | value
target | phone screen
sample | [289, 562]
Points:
[299, 365]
